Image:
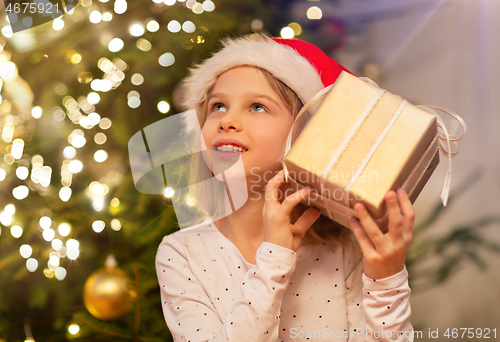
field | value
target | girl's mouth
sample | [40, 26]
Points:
[230, 148]
[226, 153]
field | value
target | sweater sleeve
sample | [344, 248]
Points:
[377, 310]
[387, 308]
[190, 313]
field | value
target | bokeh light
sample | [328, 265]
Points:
[163, 107]
[167, 59]
[174, 26]
[314, 13]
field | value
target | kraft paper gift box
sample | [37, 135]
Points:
[362, 142]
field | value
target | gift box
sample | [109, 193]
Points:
[360, 143]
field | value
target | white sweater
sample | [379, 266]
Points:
[211, 293]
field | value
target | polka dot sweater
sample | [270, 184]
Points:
[211, 293]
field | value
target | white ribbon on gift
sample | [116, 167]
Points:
[449, 133]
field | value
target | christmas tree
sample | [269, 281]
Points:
[75, 89]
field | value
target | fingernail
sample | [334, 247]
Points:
[307, 187]
[400, 191]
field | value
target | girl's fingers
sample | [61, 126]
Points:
[364, 241]
[370, 227]
[407, 211]
[291, 201]
[273, 185]
[394, 214]
[306, 220]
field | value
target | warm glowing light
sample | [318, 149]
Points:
[190, 201]
[100, 156]
[45, 176]
[20, 192]
[53, 262]
[105, 123]
[25, 251]
[93, 98]
[5, 218]
[48, 234]
[60, 273]
[188, 26]
[45, 222]
[78, 141]
[73, 329]
[287, 32]
[136, 29]
[100, 138]
[120, 6]
[73, 253]
[208, 5]
[69, 152]
[95, 17]
[101, 85]
[93, 118]
[197, 8]
[144, 44]
[314, 13]
[10, 209]
[116, 45]
[163, 106]
[16, 231]
[17, 148]
[98, 226]
[64, 229]
[58, 24]
[167, 59]
[76, 58]
[153, 26]
[72, 244]
[168, 2]
[116, 225]
[7, 31]
[75, 166]
[168, 192]
[56, 244]
[31, 264]
[98, 203]
[137, 79]
[297, 29]
[107, 16]
[174, 26]
[36, 112]
[22, 172]
[65, 194]
[115, 202]
[3, 174]
[134, 102]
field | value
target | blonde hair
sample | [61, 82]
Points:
[323, 230]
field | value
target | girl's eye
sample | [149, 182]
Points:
[217, 106]
[258, 105]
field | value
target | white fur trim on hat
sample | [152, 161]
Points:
[282, 61]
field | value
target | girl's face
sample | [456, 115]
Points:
[245, 111]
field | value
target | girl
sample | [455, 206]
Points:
[274, 270]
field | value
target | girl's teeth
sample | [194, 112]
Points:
[230, 148]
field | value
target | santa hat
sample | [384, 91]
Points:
[303, 67]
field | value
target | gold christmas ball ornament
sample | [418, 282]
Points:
[108, 293]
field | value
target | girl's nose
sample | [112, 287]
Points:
[229, 121]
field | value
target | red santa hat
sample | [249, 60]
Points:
[303, 67]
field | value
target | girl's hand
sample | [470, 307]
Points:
[384, 254]
[276, 215]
